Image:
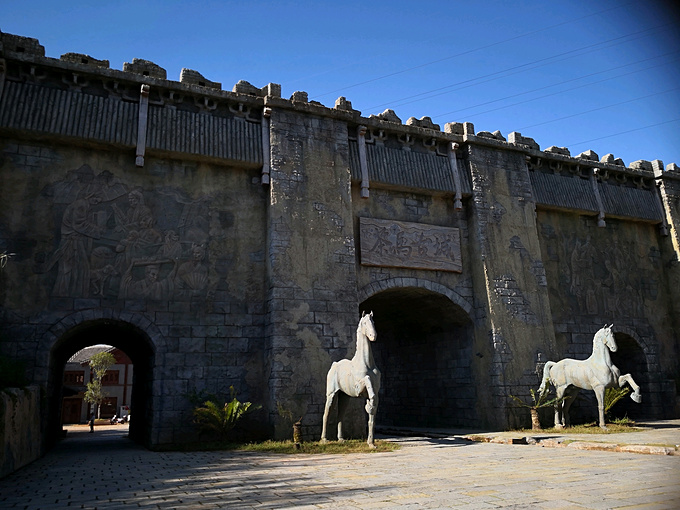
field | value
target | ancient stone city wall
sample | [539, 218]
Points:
[232, 238]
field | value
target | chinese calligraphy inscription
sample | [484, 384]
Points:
[410, 245]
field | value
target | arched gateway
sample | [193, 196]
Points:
[425, 353]
[230, 238]
[74, 333]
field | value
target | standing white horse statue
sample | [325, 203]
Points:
[358, 377]
[596, 373]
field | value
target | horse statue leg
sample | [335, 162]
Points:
[329, 403]
[599, 395]
[371, 409]
[331, 391]
[371, 421]
[343, 400]
[570, 395]
[559, 391]
[559, 407]
[636, 395]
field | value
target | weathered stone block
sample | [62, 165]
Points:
[22, 45]
[196, 359]
[145, 68]
[238, 345]
[518, 139]
[80, 58]
[243, 87]
[299, 97]
[191, 77]
[192, 344]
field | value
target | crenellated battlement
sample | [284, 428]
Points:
[75, 66]
[17, 45]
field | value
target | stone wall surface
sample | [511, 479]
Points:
[668, 182]
[514, 277]
[312, 303]
[186, 250]
[20, 437]
[232, 238]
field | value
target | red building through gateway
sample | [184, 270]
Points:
[117, 383]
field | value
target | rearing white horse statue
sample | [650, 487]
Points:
[358, 377]
[596, 373]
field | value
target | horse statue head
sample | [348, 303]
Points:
[366, 326]
[606, 337]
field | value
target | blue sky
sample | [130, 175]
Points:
[582, 74]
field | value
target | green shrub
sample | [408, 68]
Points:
[538, 401]
[221, 419]
[611, 397]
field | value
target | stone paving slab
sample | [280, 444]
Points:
[660, 437]
[654, 438]
[105, 470]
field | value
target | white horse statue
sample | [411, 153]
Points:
[596, 373]
[358, 377]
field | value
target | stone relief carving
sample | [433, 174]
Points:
[149, 287]
[79, 228]
[192, 276]
[583, 257]
[410, 245]
[497, 212]
[124, 243]
[611, 280]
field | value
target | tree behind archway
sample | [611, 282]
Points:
[99, 364]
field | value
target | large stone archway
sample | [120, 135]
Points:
[424, 351]
[129, 338]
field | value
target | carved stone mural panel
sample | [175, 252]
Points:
[612, 280]
[606, 273]
[410, 245]
[115, 241]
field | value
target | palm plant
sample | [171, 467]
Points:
[611, 397]
[213, 417]
[4, 257]
[538, 401]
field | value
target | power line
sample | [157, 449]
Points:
[560, 91]
[420, 66]
[622, 133]
[599, 108]
[517, 69]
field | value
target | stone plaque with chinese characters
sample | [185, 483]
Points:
[413, 245]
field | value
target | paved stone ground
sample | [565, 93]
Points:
[105, 470]
[660, 437]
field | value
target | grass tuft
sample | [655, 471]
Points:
[288, 447]
[616, 427]
[332, 447]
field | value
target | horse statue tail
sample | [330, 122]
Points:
[546, 378]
